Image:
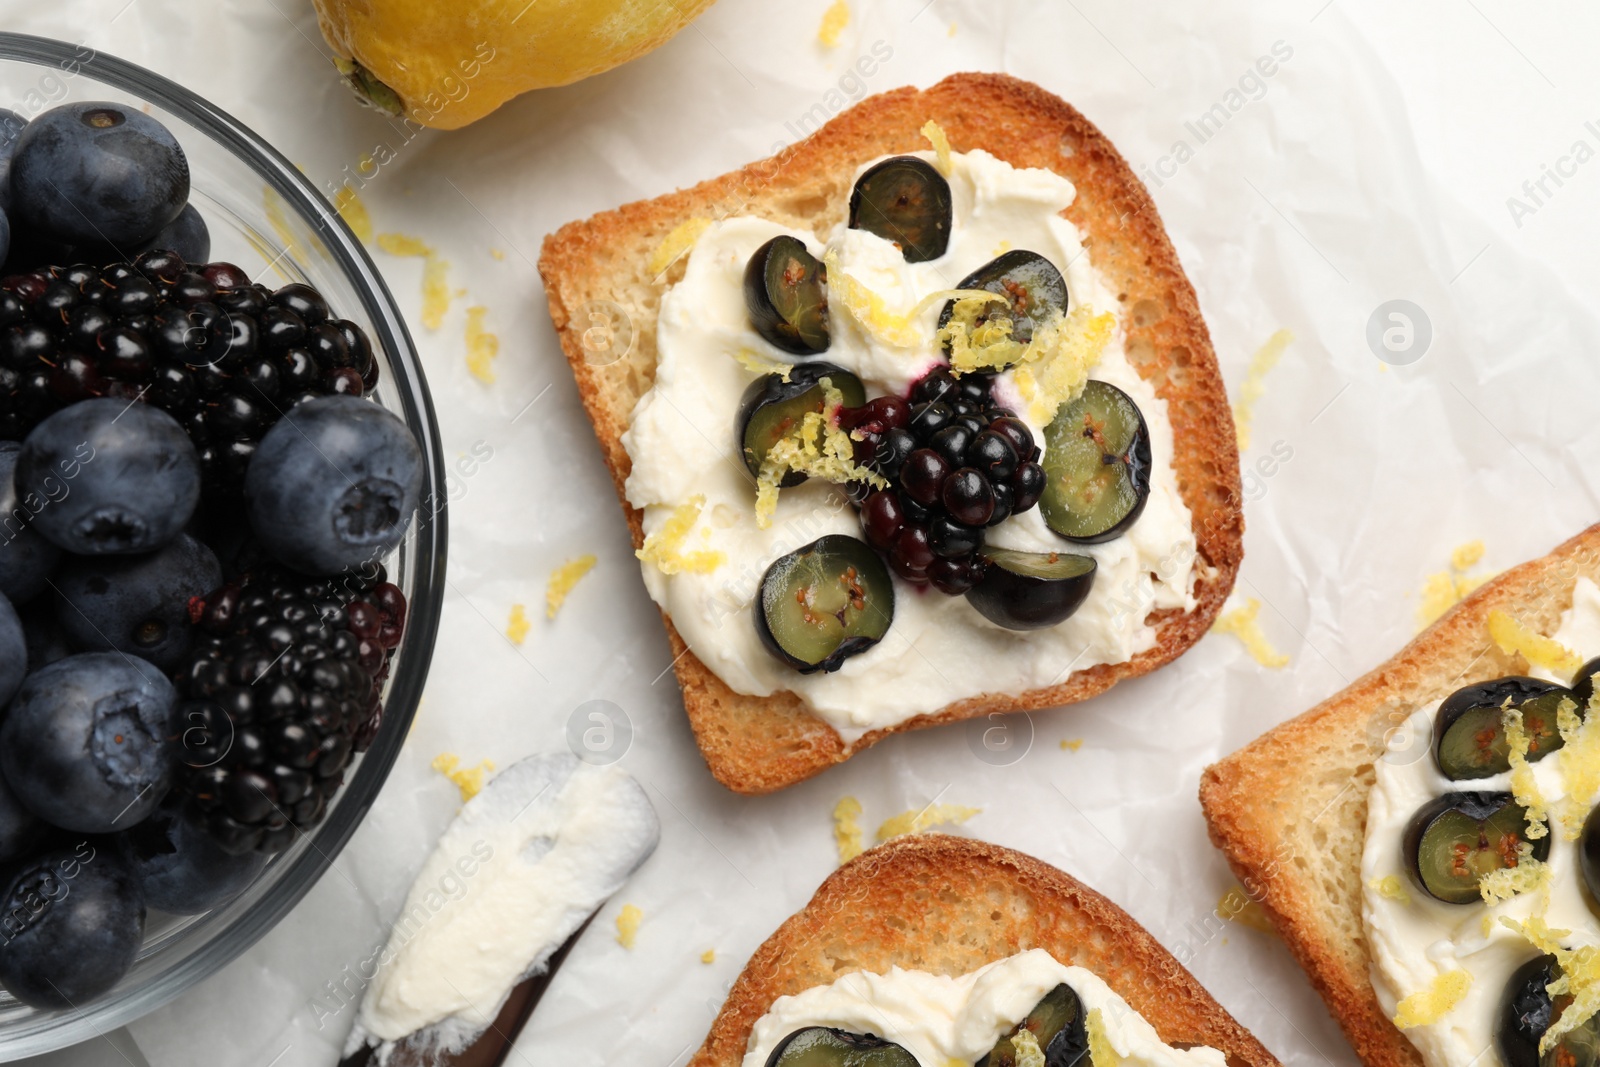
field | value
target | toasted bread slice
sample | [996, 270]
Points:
[1290, 809]
[595, 268]
[949, 905]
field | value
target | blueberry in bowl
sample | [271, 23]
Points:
[225, 688]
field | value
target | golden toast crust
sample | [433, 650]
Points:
[1289, 810]
[949, 905]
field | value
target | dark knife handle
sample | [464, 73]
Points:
[494, 1045]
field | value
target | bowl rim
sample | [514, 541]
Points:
[427, 536]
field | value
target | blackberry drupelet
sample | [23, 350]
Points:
[224, 357]
[956, 463]
[283, 685]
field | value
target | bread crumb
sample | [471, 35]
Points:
[1241, 623]
[562, 580]
[1389, 887]
[1072, 745]
[1513, 637]
[916, 820]
[628, 920]
[1028, 1052]
[708, 956]
[1001, 249]
[676, 244]
[1433, 1003]
[1237, 906]
[1447, 588]
[664, 546]
[1254, 385]
[482, 346]
[435, 284]
[1102, 1053]
[354, 213]
[517, 626]
[834, 20]
[846, 828]
[941, 145]
[469, 780]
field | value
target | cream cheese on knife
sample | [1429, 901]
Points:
[522, 867]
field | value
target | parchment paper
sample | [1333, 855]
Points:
[1373, 164]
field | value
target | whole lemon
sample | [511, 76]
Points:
[445, 63]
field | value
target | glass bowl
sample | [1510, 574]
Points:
[268, 218]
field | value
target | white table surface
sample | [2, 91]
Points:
[1375, 164]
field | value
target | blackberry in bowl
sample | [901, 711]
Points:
[217, 296]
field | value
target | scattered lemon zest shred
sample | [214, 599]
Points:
[1466, 556]
[675, 244]
[1527, 876]
[974, 346]
[815, 446]
[400, 244]
[498, 254]
[1513, 637]
[1049, 370]
[941, 145]
[1102, 1053]
[1523, 785]
[1434, 1003]
[563, 579]
[347, 202]
[663, 547]
[435, 291]
[1029, 1054]
[708, 956]
[847, 828]
[1238, 906]
[482, 346]
[517, 626]
[1057, 363]
[435, 271]
[916, 820]
[1072, 744]
[628, 920]
[1242, 623]
[1580, 976]
[1389, 887]
[1254, 386]
[1580, 763]
[756, 363]
[871, 311]
[834, 20]
[468, 780]
[1447, 588]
